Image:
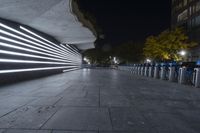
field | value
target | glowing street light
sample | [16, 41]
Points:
[183, 53]
[148, 60]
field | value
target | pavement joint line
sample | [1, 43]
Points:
[110, 116]
[58, 101]
[16, 109]
[49, 118]
[151, 126]
[99, 97]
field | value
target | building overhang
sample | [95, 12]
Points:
[53, 17]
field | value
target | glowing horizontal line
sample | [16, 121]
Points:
[25, 29]
[68, 50]
[10, 34]
[18, 32]
[71, 69]
[31, 62]
[30, 46]
[32, 69]
[72, 49]
[37, 39]
[23, 39]
[28, 55]
[34, 51]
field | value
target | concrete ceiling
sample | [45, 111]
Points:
[53, 17]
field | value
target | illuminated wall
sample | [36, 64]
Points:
[25, 51]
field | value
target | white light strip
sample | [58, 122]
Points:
[71, 69]
[67, 56]
[33, 69]
[33, 51]
[30, 46]
[32, 62]
[18, 32]
[28, 55]
[71, 47]
[69, 50]
[9, 28]
[20, 38]
[56, 47]
[25, 29]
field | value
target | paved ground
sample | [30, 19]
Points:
[99, 101]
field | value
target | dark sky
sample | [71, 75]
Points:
[124, 20]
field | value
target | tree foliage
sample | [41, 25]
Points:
[97, 56]
[125, 53]
[167, 45]
[129, 52]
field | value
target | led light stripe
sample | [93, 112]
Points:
[71, 69]
[71, 48]
[34, 34]
[24, 44]
[33, 69]
[28, 55]
[68, 50]
[32, 62]
[29, 50]
[18, 32]
[66, 58]
[25, 29]
[12, 35]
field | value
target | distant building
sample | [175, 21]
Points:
[186, 13]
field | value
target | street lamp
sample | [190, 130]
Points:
[148, 60]
[183, 53]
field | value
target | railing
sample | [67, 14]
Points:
[170, 72]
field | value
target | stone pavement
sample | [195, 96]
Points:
[99, 101]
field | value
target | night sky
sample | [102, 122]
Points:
[125, 20]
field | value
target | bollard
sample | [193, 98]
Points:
[197, 78]
[135, 69]
[163, 71]
[156, 71]
[138, 70]
[151, 70]
[172, 71]
[182, 75]
[142, 70]
[146, 70]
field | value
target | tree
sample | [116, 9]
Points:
[167, 45]
[129, 52]
[98, 57]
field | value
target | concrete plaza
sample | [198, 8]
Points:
[99, 101]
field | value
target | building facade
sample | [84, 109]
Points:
[186, 14]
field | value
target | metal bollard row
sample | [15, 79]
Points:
[166, 71]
